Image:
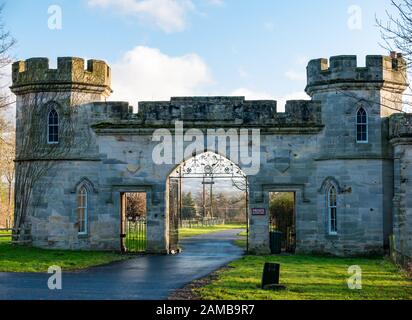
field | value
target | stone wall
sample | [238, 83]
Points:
[401, 134]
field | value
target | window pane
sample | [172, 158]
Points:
[362, 134]
[362, 126]
[332, 205]
[82, 210]
[332, 197]
[80, 219]
[333, 220]
[53, 127]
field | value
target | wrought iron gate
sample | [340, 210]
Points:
[136, 235]
[207, 166]
[133, 229]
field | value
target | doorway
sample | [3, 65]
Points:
[133, 234]
[205, 192]
[282, 208]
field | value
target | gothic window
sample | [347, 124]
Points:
[53, 127]
[361, 126]
[332, 210]
[82, 210]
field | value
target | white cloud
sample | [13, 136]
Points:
[252, 95]
[148, 74]
[295, 75]
[168, 15]
[292, 74]
[300, 95]
[281, 101]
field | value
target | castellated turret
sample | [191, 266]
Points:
[383, 80]
[73, 75]
[384, 71]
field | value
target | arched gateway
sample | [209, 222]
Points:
[349, 193]
[206, 169]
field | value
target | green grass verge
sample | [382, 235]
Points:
[191, 232]
[27, 259]
[309, 278]
[241, 241]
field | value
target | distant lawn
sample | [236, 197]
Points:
[3, 238]
[196, 231]
[27, 259]
[309, 278]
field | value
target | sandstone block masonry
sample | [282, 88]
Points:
[349, 138]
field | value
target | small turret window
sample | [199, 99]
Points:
[361, 126]
[53, 127]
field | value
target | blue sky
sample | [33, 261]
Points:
[159, 48]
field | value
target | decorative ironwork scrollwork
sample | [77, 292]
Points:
[209, 165]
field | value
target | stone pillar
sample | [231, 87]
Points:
[259, 224]
[157, 220]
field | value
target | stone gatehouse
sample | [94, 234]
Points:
[346, 155]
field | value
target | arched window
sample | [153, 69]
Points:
[82, 210]
[332, 210]
[362, 126]
[53, 127]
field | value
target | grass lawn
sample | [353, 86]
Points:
[27, 259]
[309, 278]
[190, 232]
[3, 238]
[241, 241]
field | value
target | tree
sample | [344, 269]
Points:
[136, 205]
[188, 206]
[396, 33]
[7, 156]
[7, 145]
[281, 210]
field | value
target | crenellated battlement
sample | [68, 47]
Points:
[34, 75]
[379, 70]
[300, 116]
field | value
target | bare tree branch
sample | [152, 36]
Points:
[396, 32]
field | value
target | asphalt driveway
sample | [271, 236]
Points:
[140, 278]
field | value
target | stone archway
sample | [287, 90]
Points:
[209, 169]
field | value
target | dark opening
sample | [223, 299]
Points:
[134, 222]
[282, 218]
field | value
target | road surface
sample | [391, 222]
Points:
[142, 278]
